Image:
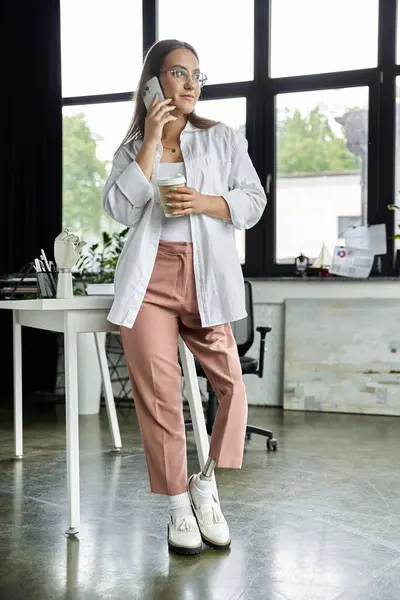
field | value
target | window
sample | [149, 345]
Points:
[321, 158]
[221, 32]
[91, 134]
[101, 46]
[317, 73]
[232, 112]
[396, 213]
[334, 35]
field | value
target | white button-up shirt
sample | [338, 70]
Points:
[217, 164]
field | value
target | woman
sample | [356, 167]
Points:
[182, 276]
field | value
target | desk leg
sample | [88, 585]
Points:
[72, 422]
[195, 405]
[110, 404]
[17, 358]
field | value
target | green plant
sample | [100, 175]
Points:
[98, 263]
[395, 207]
[84, 176]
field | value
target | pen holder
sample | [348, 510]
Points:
[64, 284]
[44, 286]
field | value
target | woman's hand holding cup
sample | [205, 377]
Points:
[185, 201]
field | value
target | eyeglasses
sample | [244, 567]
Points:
[183, 76]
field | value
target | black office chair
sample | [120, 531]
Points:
[243, 331]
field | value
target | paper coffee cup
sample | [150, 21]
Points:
[165, 184]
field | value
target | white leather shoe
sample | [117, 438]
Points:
[184, 535]
[213, 527]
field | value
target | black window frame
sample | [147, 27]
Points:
[260, 96]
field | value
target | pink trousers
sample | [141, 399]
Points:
[170, 308]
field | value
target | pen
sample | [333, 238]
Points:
[46, 270]
[44, 257]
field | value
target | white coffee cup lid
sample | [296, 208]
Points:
[172, 180]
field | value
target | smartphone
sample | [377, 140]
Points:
[152, 89]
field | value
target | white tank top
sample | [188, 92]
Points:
[177, 229]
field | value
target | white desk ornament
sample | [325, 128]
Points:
[67, 247]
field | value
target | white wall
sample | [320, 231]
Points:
[269, 309]
[307, 211]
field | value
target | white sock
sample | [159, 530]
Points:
[179, 506]
[201, 490]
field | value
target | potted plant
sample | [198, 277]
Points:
[96, 265]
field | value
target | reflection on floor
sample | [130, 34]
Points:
[318, 520]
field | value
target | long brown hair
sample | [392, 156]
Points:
[151, 67]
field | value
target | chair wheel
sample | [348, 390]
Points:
[272, 444]
[248, 436]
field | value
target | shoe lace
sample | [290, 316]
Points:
[187, 525]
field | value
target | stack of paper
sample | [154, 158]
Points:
[100, 289]
[356, 257]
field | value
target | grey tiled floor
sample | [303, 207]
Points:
[318, 520]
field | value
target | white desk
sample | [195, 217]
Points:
[85, 314]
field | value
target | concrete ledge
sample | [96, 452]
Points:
[276, 291]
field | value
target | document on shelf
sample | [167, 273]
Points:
[351, 262]
[371, 238]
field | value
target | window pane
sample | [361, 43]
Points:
[321, 188]
[221, 32]
[396, 213]
[91, 134]
[311, 36]
[101, 46]
[232, 112]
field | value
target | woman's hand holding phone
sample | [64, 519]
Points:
[159, 115]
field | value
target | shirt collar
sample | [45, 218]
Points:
[189, 128]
